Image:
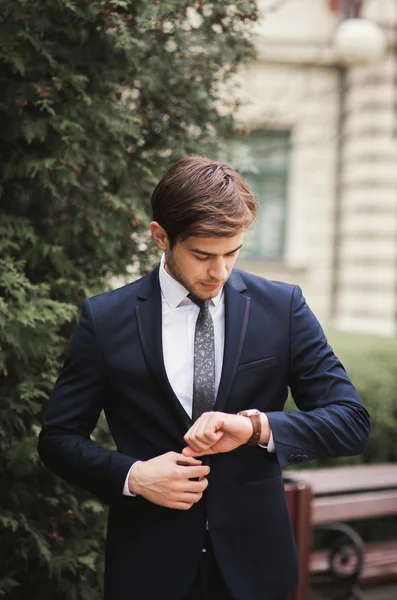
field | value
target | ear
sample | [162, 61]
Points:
[159, 235]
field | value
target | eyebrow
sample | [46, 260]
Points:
[198, 251]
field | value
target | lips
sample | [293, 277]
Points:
[210, 286]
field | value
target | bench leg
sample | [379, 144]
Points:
[345, 558]
[355, 593]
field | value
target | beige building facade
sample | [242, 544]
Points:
[320, 151]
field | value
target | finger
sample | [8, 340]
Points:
[192, 498]
[201, 418]
[186, 461]
[210, 421]
[180, 505]
[206, 441]
[196, 487]
[190, 452]
[200, 447]
[205, 431]
[190, 433]
[197, 425]
[194, 472]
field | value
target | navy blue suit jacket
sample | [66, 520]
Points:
[272, 342]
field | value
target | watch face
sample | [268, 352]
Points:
[251, 411]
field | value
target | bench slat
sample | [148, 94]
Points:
[348, 479]
[354, 506]
[380, 562]
[347, 494]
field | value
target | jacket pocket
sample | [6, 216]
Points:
[263, 362]
[263, 482]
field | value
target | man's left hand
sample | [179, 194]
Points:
[216, 432]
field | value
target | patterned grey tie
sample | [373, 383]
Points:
[204, 360]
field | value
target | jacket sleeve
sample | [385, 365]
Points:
[71, 414]
[331, 420]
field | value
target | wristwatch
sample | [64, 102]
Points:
[255, 417]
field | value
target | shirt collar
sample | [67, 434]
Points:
[174, 292]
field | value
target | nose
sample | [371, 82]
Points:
[218, 269]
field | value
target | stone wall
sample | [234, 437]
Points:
[341, 242]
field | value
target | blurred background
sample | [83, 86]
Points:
[97, 99]
[319, 103]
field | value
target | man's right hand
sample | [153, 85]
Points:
[167, 480]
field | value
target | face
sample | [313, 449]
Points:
[201, 264]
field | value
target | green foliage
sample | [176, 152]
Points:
[97, 99]
[370, 362]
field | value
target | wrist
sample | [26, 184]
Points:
[246, 428]
[265, 431]
[253, 416]
[133, 479]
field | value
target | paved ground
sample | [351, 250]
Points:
[384, 592]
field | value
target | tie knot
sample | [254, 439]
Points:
[202, 304]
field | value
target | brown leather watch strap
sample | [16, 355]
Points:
[255, 417]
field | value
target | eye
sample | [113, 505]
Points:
[201, 258]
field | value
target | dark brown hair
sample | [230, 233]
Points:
[203, 198]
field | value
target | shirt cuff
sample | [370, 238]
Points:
[126, 489]
[270, 446]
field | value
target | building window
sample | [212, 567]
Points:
[263, 159]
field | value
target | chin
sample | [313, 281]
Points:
[208, 295]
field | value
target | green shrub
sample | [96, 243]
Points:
[98, 98]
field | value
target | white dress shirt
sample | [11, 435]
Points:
[179, 316]
[179, 323]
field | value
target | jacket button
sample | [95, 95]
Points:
[291, 458]
[304, 456]
[298, 457]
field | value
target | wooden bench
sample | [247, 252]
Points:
[349, 494]
[299, 499]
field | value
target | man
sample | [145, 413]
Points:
[195, 360]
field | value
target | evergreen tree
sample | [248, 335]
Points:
[97, 99]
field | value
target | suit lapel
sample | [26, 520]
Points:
[149, 317]
[236, 321]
